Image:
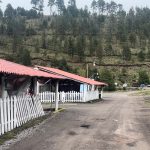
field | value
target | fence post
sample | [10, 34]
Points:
[2, 116]
[38, 87]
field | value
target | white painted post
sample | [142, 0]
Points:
[102, 93]
[56, 96]
[84, 94]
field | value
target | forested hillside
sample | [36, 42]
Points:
[70, 38]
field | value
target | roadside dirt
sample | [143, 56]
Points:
[120, 122]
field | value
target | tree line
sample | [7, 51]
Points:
[107, 30]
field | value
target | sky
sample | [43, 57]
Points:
[80, 3]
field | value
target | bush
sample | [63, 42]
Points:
[126, 53]
[30, 31]
[143, 77]
[107, 77]
[62, 64]
[141, 56]
[24, 57]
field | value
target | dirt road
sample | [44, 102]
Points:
[120, 122]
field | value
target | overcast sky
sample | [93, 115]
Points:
[80, 3]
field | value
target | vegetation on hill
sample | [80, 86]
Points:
[70, 37]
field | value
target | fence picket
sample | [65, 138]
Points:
[5, 116]
[8, 109]
[2, 116]
[11, 113]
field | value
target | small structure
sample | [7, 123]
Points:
[73, 88]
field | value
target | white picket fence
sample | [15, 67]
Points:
[71, 97]
[16, 111]
[47, 97]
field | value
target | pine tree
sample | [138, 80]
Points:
[1, 14]
[35, 3]
[23, 56]
[126, 53]
[60, 6]
[101, 6]
[132, 39]
[51, 3]
[141, 56]
[72, 3]
[71, 49]
[107, 77]
[43, 39]
[80, 47]
[94, 5]
[99, 51]
[38, 5]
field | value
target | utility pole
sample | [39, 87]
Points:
[87, 70]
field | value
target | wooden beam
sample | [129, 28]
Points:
[35, 85]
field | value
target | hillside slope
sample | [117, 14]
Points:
[111, 38]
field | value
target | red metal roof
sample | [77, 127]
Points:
[71, 76]
[13, 68]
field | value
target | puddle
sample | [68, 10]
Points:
[145, 110]
[132, 144]
[72, 133]
[87, 126]
[100, 119]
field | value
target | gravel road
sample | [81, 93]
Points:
[120, 122]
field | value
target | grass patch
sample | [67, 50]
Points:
[141, 93]
[147, 103]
